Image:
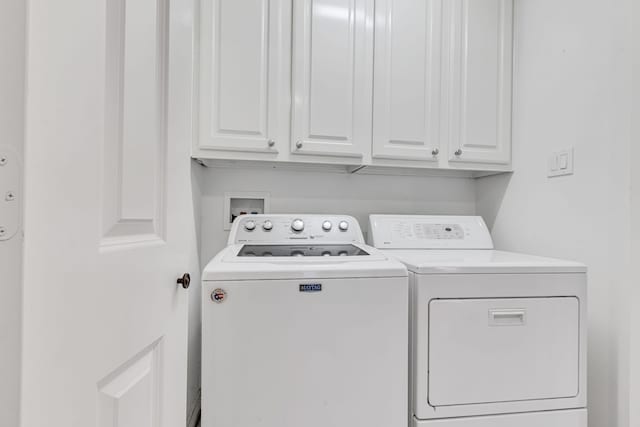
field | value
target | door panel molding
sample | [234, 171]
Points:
[135, 142]
[130, 395]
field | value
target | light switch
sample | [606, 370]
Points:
[564, 161]
[561, 163]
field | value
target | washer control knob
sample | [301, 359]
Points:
[267, 225]
[250, 225]
[297, 225]
[343, 226]
[326, 225]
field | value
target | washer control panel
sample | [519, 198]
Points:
[290, 228]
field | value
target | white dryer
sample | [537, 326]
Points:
[303, 325]
[498, 339]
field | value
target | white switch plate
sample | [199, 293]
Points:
[561, 163]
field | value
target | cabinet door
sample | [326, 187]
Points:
[332, 77]
[479, 73]
[244, 78]
[407, 64]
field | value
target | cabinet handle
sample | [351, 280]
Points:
[435, 152]
[458, 152]
[299, 145]
[271, 143]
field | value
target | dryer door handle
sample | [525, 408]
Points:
[507, 317]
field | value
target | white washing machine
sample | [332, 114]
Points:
[498, 339]
[304, 325]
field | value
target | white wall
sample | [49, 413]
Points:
[572, 89]
[634, 276]
[12, 48]
[195, 325]
[314, 192]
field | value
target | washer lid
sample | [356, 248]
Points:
[335, 250]
[429, 232]
[228, 265]
[426, 261]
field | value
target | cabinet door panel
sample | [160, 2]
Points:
[243, 89]
[480, 80]
[407, 79]
[332, 74]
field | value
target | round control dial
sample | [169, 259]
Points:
[326, 226]
[250, 225]
[343, 226]
[297, 225]
[267, 225]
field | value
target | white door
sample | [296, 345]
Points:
[332, 77]
[245, 49]
[478, 80]
[108, 218]
[406, 110]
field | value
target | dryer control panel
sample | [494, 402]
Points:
[295, 228]
[429, 232]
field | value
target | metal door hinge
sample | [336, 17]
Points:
[10, 193]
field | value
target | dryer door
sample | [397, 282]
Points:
[503, 350]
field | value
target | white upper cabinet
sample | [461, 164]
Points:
[406, 110]
[390, 83]
[244, 75]
[478, 80]
[332, 77]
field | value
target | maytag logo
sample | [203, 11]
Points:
[310, 287]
